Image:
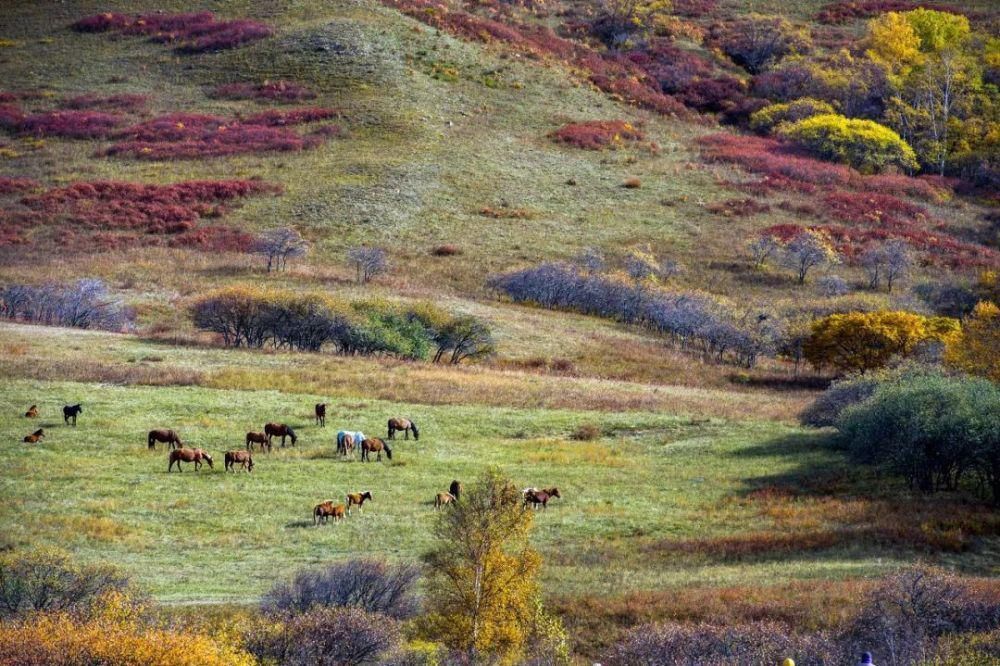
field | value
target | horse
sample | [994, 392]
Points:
[455, 489]
[377, 445]
[404, 426]
[359, 499]
[442, 499]
[321, 414]
[168, 437]
[34, 437]
[279, 430]
[258, 438]
[32, 412]
[326, 510]
[534, 497]
[244, 458]
[71, 411]
[188, 455]
[346, 441]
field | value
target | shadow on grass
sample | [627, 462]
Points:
[299, 524]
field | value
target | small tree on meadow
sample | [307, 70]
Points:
[482, 588]
[368, 262]
[763, 249]
[277, 246]
[889, 261]
[809, 250]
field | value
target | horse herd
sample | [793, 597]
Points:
[346, 442]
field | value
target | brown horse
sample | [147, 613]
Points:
[455, 489]
[404, 426]
[359, 499]
[326, 510]
[442, 499]
[321, 414]
[243, 458]
[279, 430]
[375, 445]
[71, 412]
[32, 413]
[188, 455]
[168, 437]
[534, 497]
[34, 437]
[258, 438]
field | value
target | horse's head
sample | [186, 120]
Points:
[249, 463]
[291, 433]
[367, 495]
[207, 458]
[554, 492]
[416, 433]
[388, 451]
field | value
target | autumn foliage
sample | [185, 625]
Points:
[196, 32]
[598, 134]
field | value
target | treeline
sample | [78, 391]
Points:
[84, 304]
[247, 316]
[691, 320]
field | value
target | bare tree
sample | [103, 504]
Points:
[279, 245]
[889, 261]
[763, 249]
[808, 250]
[368, 262]
[86, 303]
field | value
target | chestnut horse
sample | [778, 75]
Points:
[188, 455]
[32, 413]
[258, 438]
[346, 441]
[243, 458]
[534, 496]
[168, 437]
[326, 510]
[321, 414]
[359, 499]
[442, 499]
[404, 426]
[377, 445]
[279, 430]
[34, 437]
[71, 412]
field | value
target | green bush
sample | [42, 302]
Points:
[770, 117]
[935, 431]
[863, 144]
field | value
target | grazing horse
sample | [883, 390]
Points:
[326, 510]
[455, 489]
[168, 437]
[534, 496]
[443, 498]
[346, 441]
[188, 455]
[279, 430]
[258, 438]
[243, 458]
[404, 426]
[359, 499]
[32, 413]
[71, 412]
[377, 445]
[321, 414]
[34, 437]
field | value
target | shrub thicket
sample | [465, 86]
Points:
[862, 144]
[83, 304]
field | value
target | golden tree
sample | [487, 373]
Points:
[977, 349]
[482, 588]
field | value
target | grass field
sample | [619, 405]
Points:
[655, 502]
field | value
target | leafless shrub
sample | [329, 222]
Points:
[280, 245]
[368, 262]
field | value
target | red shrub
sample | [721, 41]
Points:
[446, 250]
[597, 134]
[276, 91]
[715, 95]
[783, 232]
[844, 11]
[777, 163]
[870, 208]
[70, 124]
[124, 103]
[191, 136]
[11, 185]
[214, 239]
[783, 85]
[928, 188]
[192, 33]
[695, 8]
[673, 68]
[10, 116]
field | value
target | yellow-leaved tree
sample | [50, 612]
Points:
[862, 341]
[482, 590]
[977, 349]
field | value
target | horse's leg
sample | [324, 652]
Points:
[406, 434]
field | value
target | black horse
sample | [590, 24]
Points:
[70, 412]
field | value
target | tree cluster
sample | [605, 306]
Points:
[84, 304]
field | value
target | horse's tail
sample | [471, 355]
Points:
[413, 427]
